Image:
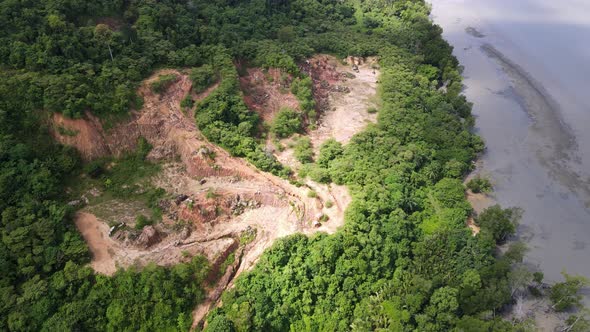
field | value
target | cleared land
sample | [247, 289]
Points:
[215, 205]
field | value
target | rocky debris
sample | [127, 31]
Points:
[316, 224]
[185, 233]
[115, 228]
[164, 204]
[173, 215]
[204, 152]
[348, 75]
[238, 205]
[148, 237]
[95, 192]
[340, 88]
[75, 202]
[162, 152]
[180, 198]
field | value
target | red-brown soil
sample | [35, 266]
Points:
[266, 92]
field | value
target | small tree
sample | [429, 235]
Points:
[203, 77]
[565, 295]
[104, 36]
[286, 123]
[303, 150]
[501, 223]
[580, 322]
[479, 185]
[329, 150]
[141, 221]
[286, 34]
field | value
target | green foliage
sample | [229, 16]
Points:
[220, 324]
[329, 150]
[203, 77]
[498, 222]
[211, 194]
[388, 269]
[125, 177]
[303, 150]
[286, 34]
[67, 132]
[163, 83]
[141, 221]
[566, 294]
[479, 185]
[247, 236]
[579, 322]
[303, 90]
[187, 103]
[46, 284]
[224, 118]
[286, 123]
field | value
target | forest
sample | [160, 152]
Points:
[404, 261]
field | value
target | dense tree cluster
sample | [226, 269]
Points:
[405, 259]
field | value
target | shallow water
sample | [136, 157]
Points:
[527, 71]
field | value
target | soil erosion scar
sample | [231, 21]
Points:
[553, 140]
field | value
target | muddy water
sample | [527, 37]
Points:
[527, 73]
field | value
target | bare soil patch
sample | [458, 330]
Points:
[344, 92]
[267, 91]
[96, 235]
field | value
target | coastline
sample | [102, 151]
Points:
[534, 152]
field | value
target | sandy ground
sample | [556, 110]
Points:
[96, 235]
[347, 113]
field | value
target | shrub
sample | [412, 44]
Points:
[286, 123]
[203, 77]
[303, 90]
[286, 34]
[141, 221]
[500, 223]
[320, 175]
[303, 150]
[566, 295]
[312, 194]
[187, 102]
[479, 185]
[95, 168]
[163, 83]
[329, 150]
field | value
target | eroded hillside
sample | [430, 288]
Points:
[214, 204]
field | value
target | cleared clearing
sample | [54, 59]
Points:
[215, 201]
[351, 93]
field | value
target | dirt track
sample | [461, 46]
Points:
[94, 233]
